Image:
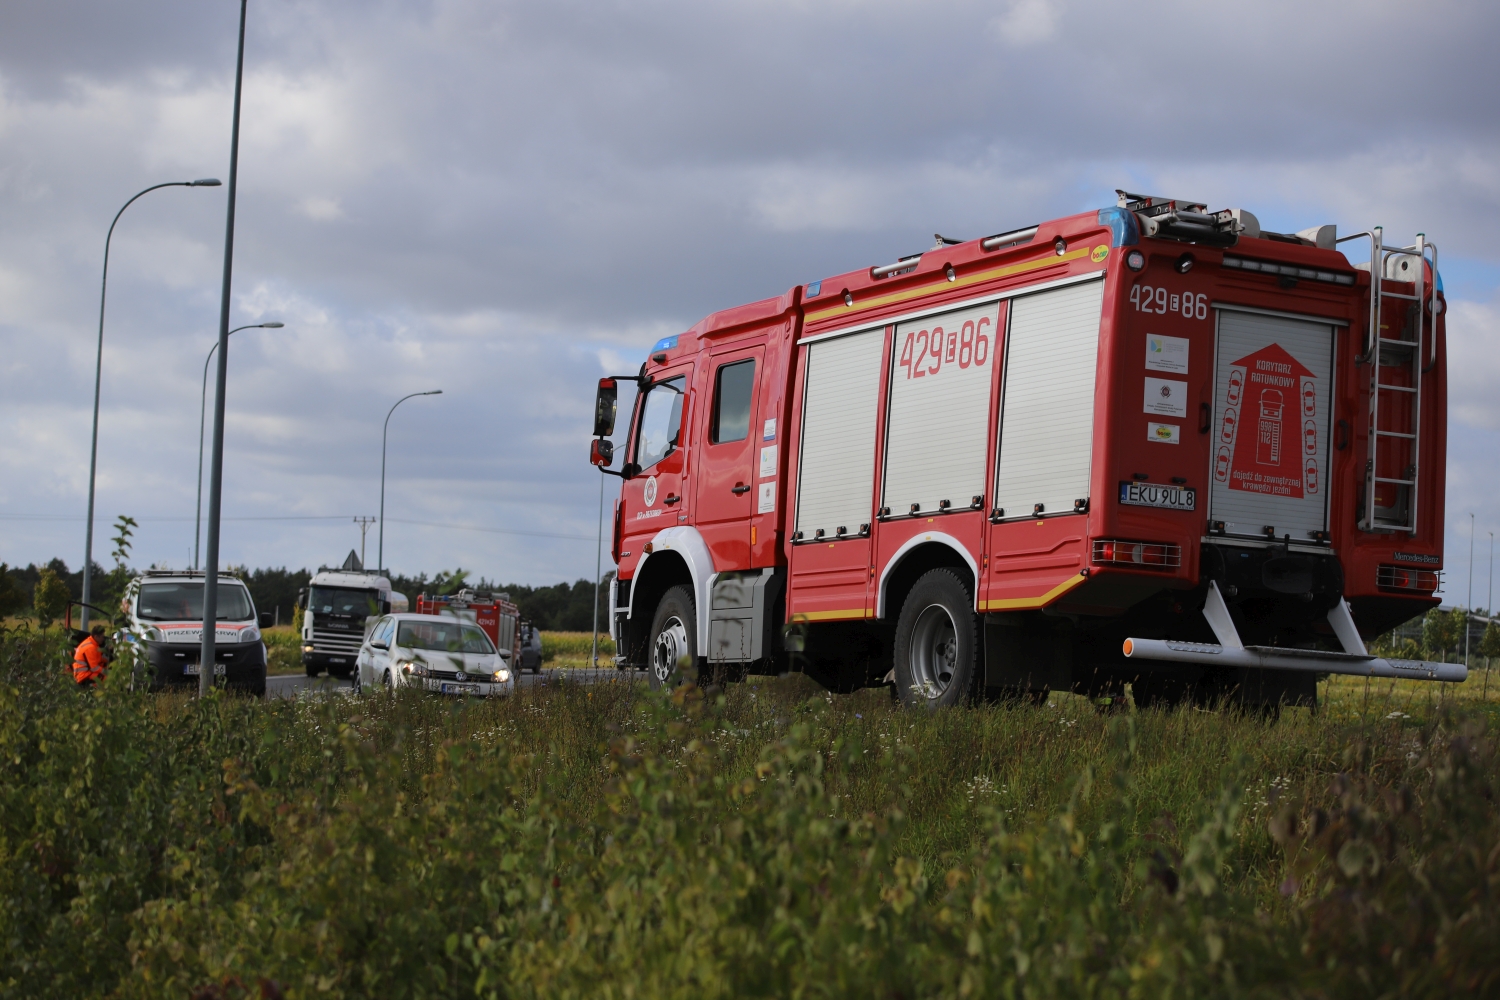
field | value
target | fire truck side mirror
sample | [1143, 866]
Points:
[601, 452]
[606, 402]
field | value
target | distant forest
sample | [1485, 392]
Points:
[560, 607]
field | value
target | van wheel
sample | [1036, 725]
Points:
[937, 637]
[673, 649]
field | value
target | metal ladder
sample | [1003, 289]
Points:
[1403, 329]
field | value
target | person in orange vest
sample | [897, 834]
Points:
[89, 659]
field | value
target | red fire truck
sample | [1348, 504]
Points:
[1150, 445]
[494, 613]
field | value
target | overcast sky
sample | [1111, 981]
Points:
[506, 200]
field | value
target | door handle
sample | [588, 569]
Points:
[740, 488]
[671, 498]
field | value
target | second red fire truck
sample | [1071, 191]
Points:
[1150, 445]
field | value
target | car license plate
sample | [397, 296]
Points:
[1151, 495]
[460, 688]
[337, 659]
[192, 670]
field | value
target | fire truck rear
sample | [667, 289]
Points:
[1150, 445]
[494, 613]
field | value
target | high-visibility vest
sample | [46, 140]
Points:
[88, 661]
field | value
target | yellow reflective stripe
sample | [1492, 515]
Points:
[819, 616]
[1023, 603]
[969, 279]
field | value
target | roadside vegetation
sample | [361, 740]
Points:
[767, 840]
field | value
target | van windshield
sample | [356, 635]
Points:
[342, 601]
[183, 602]
[449, 637]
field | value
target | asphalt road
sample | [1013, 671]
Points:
[295, 685]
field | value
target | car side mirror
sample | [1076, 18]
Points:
[267, 619]
[601, 452]
[379, 645]
[606, 403]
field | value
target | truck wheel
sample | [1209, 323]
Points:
[312, 669]
[936, 641]
[673, 649]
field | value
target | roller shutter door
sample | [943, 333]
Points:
[840, 406]
[1272, 381]
[1047, 410]
[941, 377]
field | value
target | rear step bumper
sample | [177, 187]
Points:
[1231, 652]
[1272, 658]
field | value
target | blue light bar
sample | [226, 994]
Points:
[665, 344]
[1122, 225]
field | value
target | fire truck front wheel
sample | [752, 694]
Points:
[674, 640]
[937, 636]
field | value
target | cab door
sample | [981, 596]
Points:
[653, 497]
[728, 459]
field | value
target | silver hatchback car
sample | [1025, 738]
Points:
[437, 653]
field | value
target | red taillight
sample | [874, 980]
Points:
[1155, 555]
[1401, 578]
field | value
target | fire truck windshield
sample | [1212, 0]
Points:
[342, 601]
[162, 602]
[661, 421]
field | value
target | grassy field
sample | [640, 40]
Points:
[766, 840]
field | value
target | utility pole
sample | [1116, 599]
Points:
[364, 526]
[1469, 610]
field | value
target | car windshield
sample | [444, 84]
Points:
[342, 601]
[448, 637]
[183, 602]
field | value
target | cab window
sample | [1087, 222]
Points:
[734, 387]
[661, 422]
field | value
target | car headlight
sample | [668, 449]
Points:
[501, 676]
[412, 669]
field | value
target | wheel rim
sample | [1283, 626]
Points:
[671, 646]
[934, 652]
[385, 679]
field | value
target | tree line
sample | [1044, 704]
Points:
[42, 592]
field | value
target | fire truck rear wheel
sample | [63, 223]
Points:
[673, 649]
[937, 637]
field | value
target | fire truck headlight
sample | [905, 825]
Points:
[1135, 260]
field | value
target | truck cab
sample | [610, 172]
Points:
[337, 607]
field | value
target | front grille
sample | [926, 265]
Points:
[329, 641]
[452, 675]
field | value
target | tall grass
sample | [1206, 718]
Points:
[764, 840]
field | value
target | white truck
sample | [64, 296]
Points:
[337, 606]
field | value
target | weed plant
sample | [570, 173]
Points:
[767, 840]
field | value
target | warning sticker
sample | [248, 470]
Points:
[1166, 398]
[1268, 432]
[767, 497]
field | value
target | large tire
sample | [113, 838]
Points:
[937, 642]
[313, 669]
[672, 653]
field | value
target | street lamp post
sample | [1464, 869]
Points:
[380, 545]
[202, 410]
[206, 656]
[88, 534]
